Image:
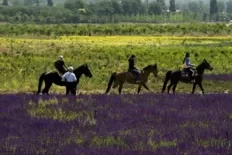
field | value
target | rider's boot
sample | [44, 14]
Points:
[137, 79]
[192, 79]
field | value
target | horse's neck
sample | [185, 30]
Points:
[78, 73]
[146, 73]
[200, 70]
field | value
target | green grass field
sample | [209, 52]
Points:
[23, 59]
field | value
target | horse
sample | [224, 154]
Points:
[176, 76]
[120, 78]
[53, 77]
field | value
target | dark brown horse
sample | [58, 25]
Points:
[176, 76]
[120, 78]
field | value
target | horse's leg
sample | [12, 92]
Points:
[174, 88]
[66, 90]
[139, 89]
[120, 88]
[169, 86]
[200, 85]
[194, 86]
[47, 87]
[145, 86]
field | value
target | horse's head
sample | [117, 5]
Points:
[151, 68]
[83, 69]
[207, 65]
[86, 71]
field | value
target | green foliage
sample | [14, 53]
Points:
[221, 6]
[229, 6]
[5, 2]
[154, 8]
[213, 7]
[196, 7]
[74, 5]
[131, 7]
[109, 11]
[23, 59]
[50, 3]
[172, 7]
[113, 29]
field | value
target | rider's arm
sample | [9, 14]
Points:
[64, 65]
[188, 63]
[191, 65]
[74, 76]
[63, 77]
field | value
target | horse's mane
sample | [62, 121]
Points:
[202, 63]
[148, 67]
[81, 66]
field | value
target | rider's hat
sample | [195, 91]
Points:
[133, 56]
[187, 54]
[61, 57]
[70, 68]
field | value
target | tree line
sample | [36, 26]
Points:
[114, 11]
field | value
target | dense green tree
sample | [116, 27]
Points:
[162, 5]
[28, 2]
[116, 6]
[213, 7]
[194, 6]
[133, 7]
[50, 3]
[172, 7]
[154, 8]
[5, 2]
[229, 6]
[104, 7]
[221, 6]
[74, 5]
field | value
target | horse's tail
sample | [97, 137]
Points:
[167, 78]
[41, 78]
[112, 78]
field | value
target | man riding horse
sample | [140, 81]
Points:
[188, 68]
[133, 69]
[60, 66]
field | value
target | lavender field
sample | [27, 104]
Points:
[113, 124]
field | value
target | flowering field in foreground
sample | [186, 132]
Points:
[110, 124]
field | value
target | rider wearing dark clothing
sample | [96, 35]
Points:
[133, 69]
[60, 65]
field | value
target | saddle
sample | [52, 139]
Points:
[185, 73]
[133, 75]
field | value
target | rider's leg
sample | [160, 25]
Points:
[73, 90]
[192, 75]
[189, 73]
[69, 86]
[60, 72]
[137, 76]
[192, 72]
[67, 89]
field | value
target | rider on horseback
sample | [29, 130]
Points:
[188, 67]
[133, 69]
[60, 65]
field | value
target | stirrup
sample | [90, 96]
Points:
[192, 81]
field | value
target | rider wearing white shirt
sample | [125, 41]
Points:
[70, 79]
